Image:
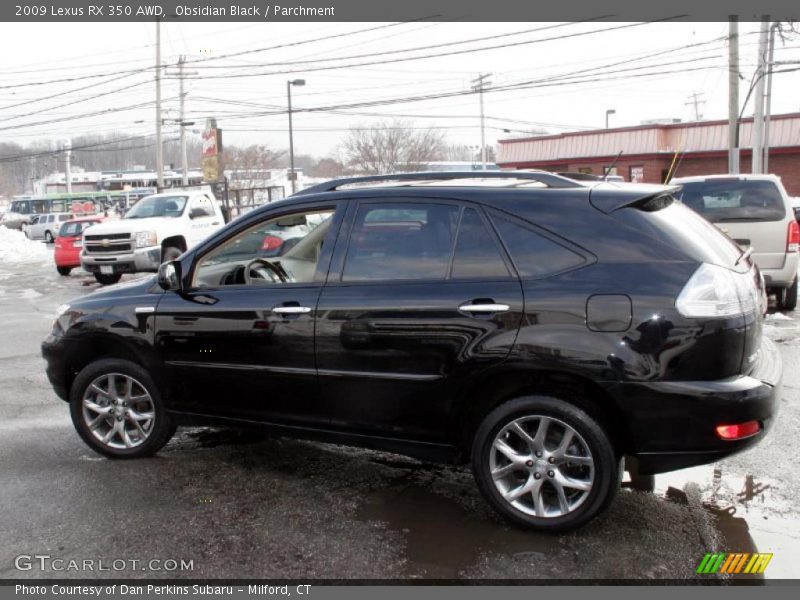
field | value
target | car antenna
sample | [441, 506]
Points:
[613, 164]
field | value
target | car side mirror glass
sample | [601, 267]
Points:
[197, 212]
[169, 276]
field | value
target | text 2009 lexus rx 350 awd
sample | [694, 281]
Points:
[538, 327]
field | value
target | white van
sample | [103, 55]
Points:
[755, 211]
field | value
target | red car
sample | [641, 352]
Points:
[70, 242]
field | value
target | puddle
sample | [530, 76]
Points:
[748, 511]
[442, 538]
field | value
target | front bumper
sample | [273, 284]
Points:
[138, 261]
[672, 423]
[54, 351]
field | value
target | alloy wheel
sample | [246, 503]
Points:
[541, 466]
[118, 411]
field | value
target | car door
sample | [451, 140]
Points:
[420, 299]
[203, 220]
[239, 341]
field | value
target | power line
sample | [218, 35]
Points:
[441, 54]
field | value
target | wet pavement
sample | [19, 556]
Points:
[244, 505]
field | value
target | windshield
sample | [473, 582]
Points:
[157, 206]
[720, 200]
[75, 228]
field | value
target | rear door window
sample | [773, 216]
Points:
[477, 254]
[734, 199]
[401, 241]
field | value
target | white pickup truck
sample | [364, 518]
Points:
[158, 228]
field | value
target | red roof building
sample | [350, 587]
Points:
[648, 151]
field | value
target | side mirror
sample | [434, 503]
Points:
[197, 212]
[169, 276]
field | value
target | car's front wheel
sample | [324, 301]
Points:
[64, 271]
[118, 411]
[544, 463]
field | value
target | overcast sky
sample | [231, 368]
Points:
[686, 59]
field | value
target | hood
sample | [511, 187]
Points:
[125, 226]
[127, 289]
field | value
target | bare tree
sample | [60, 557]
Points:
[390, 147]
[249, 165]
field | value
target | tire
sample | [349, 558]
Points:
[64, 271]
[787, 298]
[170, 253]
[595, 468]
[108, 279]
[48, 237]
[88, 407]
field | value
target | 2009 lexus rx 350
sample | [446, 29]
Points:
[538, 327]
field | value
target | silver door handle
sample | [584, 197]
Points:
[291, 310]
[484, 308]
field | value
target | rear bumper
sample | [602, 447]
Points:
[785, 276]
[138, 261]
[673, 423]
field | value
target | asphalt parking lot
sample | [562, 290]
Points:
[240, 505]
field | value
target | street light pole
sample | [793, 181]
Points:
[610, 111]
[159, 147]
[292, 174]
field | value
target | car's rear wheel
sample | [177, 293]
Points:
[65, 271]
[544, 463]
[108, 279]
[118, 411]
[48, 237]
[787, 297]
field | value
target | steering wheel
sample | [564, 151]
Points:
[263, 269]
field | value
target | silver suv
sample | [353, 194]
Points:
[757, 213]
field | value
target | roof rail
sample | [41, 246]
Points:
[549, 179]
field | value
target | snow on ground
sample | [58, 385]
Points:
[15, 248]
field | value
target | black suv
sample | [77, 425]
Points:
[539, 327]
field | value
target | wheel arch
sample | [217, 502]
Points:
[89, 348]
[501, 386]
[174, 241]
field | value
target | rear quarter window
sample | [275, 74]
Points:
[533, 254]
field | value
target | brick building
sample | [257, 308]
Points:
[649, 150]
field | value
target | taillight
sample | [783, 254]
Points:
[793, 238]
[738, 431]
[714, 291]
[271, 243]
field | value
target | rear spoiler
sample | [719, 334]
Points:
[648, 197]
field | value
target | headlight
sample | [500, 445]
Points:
[145, 239]
[717, 292]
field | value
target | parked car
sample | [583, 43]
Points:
[754, 210]
[539, 328]
[157, 228]
[69, 243]
[46, 227]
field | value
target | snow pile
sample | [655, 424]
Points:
[15, 248]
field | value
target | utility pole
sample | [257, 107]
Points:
[181, 121]
[733, 94]
[695, 100]
[768, 112]
[758, 98]
[68, 164]
[478, 85]
[159, 147]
